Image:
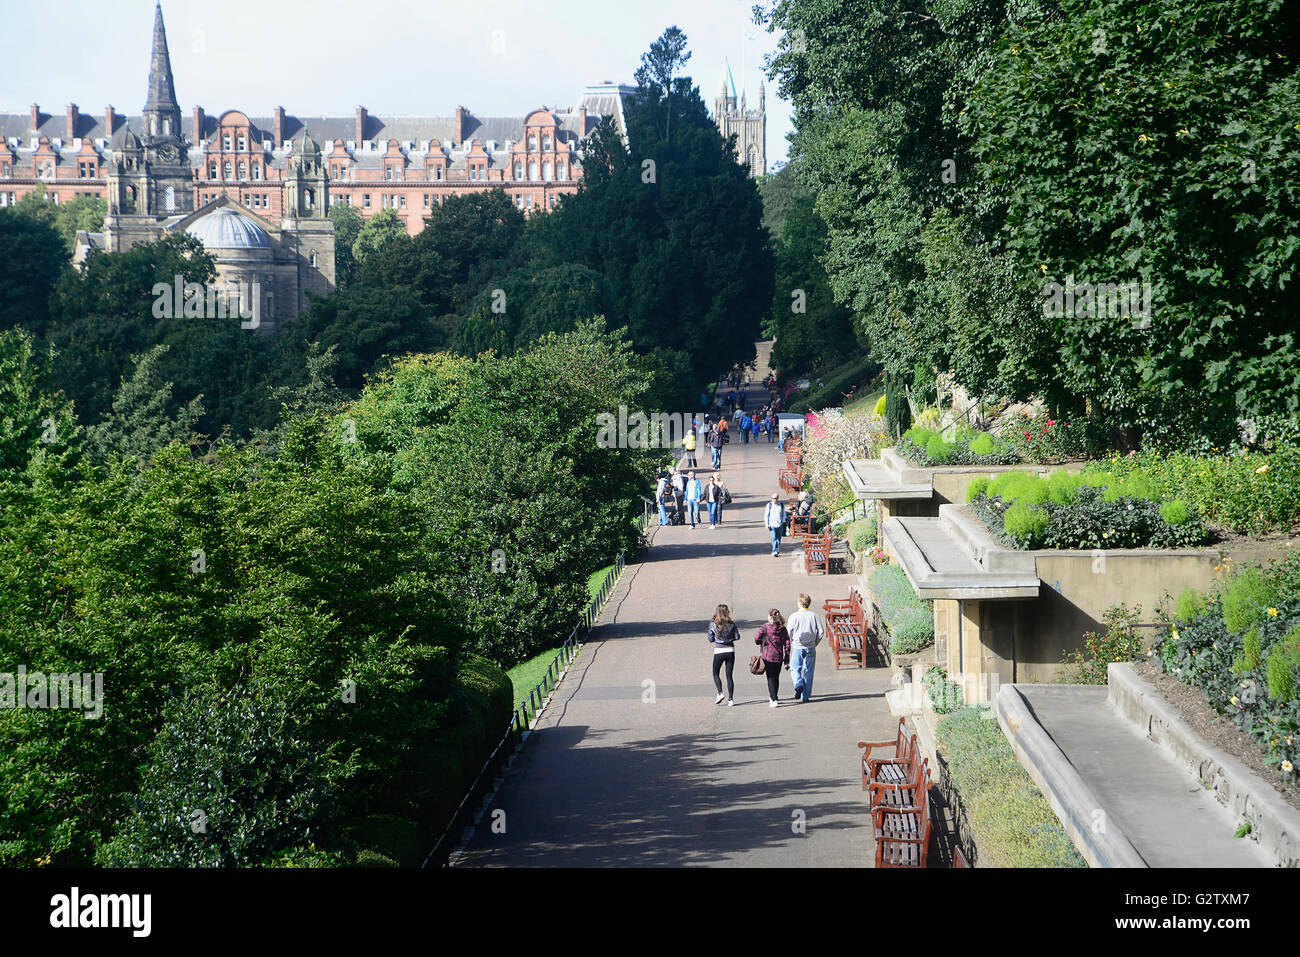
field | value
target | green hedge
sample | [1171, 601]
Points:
[1014, 824]
[909, 619]
[861, 534]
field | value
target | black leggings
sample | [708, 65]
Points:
[772, 669]
[728, 659]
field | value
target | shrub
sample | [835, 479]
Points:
[1246, 596]
[1063, 487]
[938, 450]
[878, 410]
[976, 488]
[1250, 648]
[1175, 511]
[1190, 604]
[1041, 438]
[1015, 826]
[909, 620]
[1025, 523]
[862, 533]
[1119, 642]
[945, 696]
[982, 444]
[1280, 668]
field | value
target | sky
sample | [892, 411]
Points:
[327, 57]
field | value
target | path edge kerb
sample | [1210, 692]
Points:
[1275, 824]
[1069, 797]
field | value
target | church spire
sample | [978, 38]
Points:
[162, 91]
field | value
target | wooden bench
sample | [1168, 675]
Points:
[799, 524]
[901, 793]
[893, 769]
[847, 628]
[903, 833]
[817, 553]
[790, 480]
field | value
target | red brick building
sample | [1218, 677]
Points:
[372, 161]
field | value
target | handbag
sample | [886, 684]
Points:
[757, 665]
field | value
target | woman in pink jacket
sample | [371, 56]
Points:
[775, 644]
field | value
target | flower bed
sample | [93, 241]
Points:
[1025, 438]
[1090, 510]
[1241, 647]
[1248, 493]
[909, 620]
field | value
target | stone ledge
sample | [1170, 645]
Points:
[1275, 824]
[1064, 790]
[874, 479]
[940, 567]
[966, 528]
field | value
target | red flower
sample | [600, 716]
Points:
[1050, 422]
[1029, 435]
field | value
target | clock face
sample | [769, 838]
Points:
[167, 152]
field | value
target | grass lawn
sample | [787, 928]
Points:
[862, 406]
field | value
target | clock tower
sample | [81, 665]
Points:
[170, 184]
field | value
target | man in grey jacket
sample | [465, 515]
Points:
[806, 633]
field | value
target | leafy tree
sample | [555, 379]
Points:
[143, 420]
[375, 235]
[530, 304]
[32, 258]
[347, 224]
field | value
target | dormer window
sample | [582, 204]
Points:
[546, 141]
[212, 171]
[243, 143]
[257, 171]
[388, 172]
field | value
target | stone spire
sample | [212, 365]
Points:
[162, 91]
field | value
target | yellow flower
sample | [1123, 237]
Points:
[1173, 633]
[1166, 84]
[1272, 613]
[1184, 132]
[1233, 699]
[1141, 139]
[1286, 766]
[1261, 470]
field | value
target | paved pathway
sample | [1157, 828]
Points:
[614, 777]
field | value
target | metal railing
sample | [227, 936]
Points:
[521, 723]
[852, 508]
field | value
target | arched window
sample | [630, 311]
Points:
[559, 171]
[532, 170]
[307, 198]
[243, 171]
[257, 171]
[169, 199]
[519, 169]
[225, 142]
[167, 127]
[243, 143]
[546, 171]
[532, 141]
[226, 172]
[546, 141]
[313, 260]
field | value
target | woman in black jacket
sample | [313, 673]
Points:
[723, 635]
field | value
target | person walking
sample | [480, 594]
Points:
[806, 633]
[723, 635]
[713, 500]
[679, 497]
[688, 443]
[694, 492]
[755, 425]
[774, 518]
[725, 495]
[716, 439]
[774, 642]
[745, 422]
[660, 495]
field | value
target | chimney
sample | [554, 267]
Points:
[73, 116]
[361, 125]
[36, 117]
[582, 122]
[277, 135]
[197, 135]
[109, 119]
[461, 114]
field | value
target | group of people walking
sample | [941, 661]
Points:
[753, 424]
[782, 644]
[679, 495]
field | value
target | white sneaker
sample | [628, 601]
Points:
[719, 698]
[773, 704]
[730, 703]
